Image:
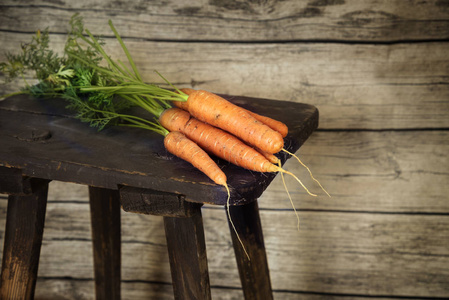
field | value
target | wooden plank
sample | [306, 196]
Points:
[367, 20]
[353, 86]
[61, 288]
[334, 252]
[390, 171]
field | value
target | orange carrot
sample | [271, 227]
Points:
[215, 110]
[220, 143]
[178, 144]
[271, 157]
[184, 104]
[272, 123]
[216, 141]
[181, 146]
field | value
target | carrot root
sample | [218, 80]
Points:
[279, 169]
[310, 172]
[232, 223]
[289, 197]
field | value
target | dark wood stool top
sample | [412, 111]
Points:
[129, 168]
[42, 138]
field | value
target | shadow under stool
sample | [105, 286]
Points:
[129, 169]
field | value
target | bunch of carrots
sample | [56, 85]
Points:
[194, 123]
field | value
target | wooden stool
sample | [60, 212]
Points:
[129, 168]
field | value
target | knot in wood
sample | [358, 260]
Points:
[34, 135]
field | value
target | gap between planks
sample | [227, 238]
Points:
[253, 42]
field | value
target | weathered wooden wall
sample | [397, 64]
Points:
[379, 73]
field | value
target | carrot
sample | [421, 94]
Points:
[184, 104]
[271, 157]
[219, 112]
[181, 146]
[225, 146]
[272, 123]
[178, 144]
[216, 141]
[220, 143]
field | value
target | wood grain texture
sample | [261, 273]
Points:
[322, 257]
[156, 203]
[187, 255]
[82, 289]
[377, 71]
[353, 86]
[125, 156]
[363, 171]
[106, 242]
[13, 182]
[230, 20]
[22, 243]
[250, 253]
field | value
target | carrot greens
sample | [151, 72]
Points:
[98, 88]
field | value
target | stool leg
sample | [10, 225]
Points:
[106, 240]
[23, 239]
[188, 259]
[254, 273]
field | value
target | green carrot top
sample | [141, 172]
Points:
[98, 88]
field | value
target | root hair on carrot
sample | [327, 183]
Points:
[232, 223]
[297, 179]
[288, 193]
[310, 172]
